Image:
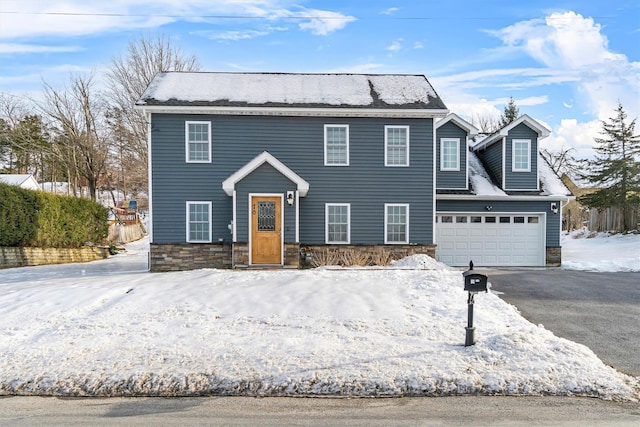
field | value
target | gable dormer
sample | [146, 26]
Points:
[511, 154]
[452, 170]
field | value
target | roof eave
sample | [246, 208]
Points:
[294, 111]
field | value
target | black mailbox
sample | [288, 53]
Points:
[475, 282]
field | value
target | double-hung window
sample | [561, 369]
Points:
[199, 222]
[449, 154]
[396, 223]
[521, 153]
[198, 142]
[338, 222]
[396, 145]
[336, 145]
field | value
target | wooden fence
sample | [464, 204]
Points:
[611, 219]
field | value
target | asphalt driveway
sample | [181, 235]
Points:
[599, 310]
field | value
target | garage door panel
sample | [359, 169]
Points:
[499, 243]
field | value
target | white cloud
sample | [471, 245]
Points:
[576, 50]
[324, 22]
[389, 11]
[80, 17]
[572, 134]
[418, 45]
[395, 46]
[7, 48]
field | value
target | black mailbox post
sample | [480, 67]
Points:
[474, 282]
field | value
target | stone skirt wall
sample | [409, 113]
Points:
[188, 256]
[554, 256]
[26, 257]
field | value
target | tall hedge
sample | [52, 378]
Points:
[36, 218]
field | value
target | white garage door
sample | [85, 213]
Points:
[496, 240]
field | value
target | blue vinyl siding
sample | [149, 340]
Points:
[298, 142]
[522, 180]
[492, 159]
[452, 179]
[508, 206]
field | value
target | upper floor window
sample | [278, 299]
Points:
[338, 222]
[521, 153]
[198, 142]
[199, 222]
[336, 145]
[449, 154]
[396, 223]
[396, 145]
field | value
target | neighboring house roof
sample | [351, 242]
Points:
[377, 91]
[542, 131]
[463, 124]
[21, 180]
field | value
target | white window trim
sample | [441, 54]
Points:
[189, 203]
[457, 142]
[513, 155]
[326, 223]
[386, 207]
[386, 146]
[327, 126]
[186, 140]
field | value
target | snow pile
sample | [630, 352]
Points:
[262, 88]
[420, 261]
[386, 332]
[583, 250]
[480, 182]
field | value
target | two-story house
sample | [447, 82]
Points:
[248, 168]
[253, 169]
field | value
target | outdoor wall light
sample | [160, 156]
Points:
[488, 207]
[290, 198]
[554, 208]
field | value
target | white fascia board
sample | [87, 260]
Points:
[460, 122]
[229, 184]
[472, 197]
[541, 130]
[292, 111]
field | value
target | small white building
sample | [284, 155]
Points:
[21, 180]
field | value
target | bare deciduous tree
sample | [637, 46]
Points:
[77, 113]
[128, 77]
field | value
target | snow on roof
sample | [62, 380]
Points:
[550, 182]
[274, 89]
[481, 184]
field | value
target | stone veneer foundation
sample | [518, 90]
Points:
[554, 256]
[185, 256]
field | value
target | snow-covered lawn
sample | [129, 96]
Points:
[89, 330]
[582, 250]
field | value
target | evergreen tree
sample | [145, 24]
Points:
[510, 113]
[616, 168]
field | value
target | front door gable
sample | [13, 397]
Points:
[229, 184]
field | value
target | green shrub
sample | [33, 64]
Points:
[35, 218]
[18, 215]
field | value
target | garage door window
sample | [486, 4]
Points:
[505, 219]
[533, 220]
[490, 219]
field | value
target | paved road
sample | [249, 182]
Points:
[247, 411]
[599, 310]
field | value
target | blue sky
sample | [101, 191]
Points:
[566, 63]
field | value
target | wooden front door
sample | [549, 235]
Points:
[266, 224]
